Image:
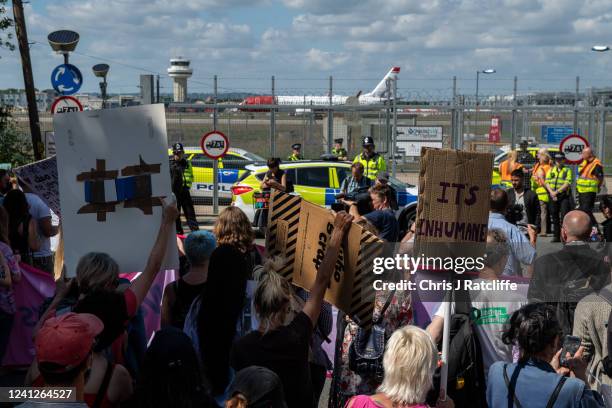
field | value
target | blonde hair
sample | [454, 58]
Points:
[273, 294]
[234, 228]
[96, 270]
[513, 156]
[410, 361]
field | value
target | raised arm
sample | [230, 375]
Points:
[141, 285]
[312, 308]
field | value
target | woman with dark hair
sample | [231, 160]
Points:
[170, 375]
[605, 206]
[22, 233]
[277, 179]
[538, 379]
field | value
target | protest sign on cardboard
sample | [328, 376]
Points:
[453, 205]
[300, 231]
[41, 178]
[112, 168]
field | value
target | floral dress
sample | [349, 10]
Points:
[348, 383]
[7, 300]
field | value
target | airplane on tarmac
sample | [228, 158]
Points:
[378, 95]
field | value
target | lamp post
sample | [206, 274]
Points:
[483, 71]
[602, 118]
[100, 70]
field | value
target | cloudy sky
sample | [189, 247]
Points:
[546, 43]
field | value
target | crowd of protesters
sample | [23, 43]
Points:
[235, 333]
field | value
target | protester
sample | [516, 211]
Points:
[605, 206]
[382, 178]
[5, 184]
[356, 183]
[23, 231]
[522, 251]
[538, 380]
[492, 306]
[564, 277]
[277, 179]
[589, 182]
[372, 162]
[538, 181]
[256, 387]
[525, 200]
[171, 375]
[41, 213]
[383, 217]
[339, 151]
[410, 361]
[180, 294]
[284, 349]
[507, 167]
[10, 273]
[233, 228]
[64, 347]
[295, 152]
[213, 318]
[558, 184]
[181, 172]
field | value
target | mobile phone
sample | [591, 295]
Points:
[570, 345]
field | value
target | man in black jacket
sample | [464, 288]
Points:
[527, 199]
[181, 174]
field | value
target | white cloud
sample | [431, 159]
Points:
[324, 60]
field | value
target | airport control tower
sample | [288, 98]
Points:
[179, 71]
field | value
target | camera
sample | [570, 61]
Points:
[514, 213]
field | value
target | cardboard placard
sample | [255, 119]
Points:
[453, 205]
[41, 178]
[300, 230]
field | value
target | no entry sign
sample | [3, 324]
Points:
[214, 144]
[572, 146]
[65, 104]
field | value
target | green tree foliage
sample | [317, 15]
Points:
[5, 23]
[15, 147]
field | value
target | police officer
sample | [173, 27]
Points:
[373, 163]
[295, 154]
[590, 179]
[524, 157]
[558, 184]
[339, 151]
[181, 174]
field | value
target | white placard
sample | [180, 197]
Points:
[413, 149]
[120, 138]
[420, 133]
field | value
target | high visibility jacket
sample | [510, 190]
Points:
[188, 175]
[587, 182]
[505, 171]
[372, 166]
[341, 152]
[558, 177]
[294, 157]
[538, 179]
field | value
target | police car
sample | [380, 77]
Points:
[231, 167]
[317, 181]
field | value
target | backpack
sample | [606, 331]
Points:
[466, 379]
[368, 347]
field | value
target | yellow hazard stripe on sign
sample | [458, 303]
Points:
[283, 221]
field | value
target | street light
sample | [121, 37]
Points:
[100, 70]
[63, 42]
[483, 71]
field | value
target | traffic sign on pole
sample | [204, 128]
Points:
[214, 144]
[66, 79]
[572, 146]
[65, 104]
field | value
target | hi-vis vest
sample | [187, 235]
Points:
[587, 182]
[371, 165]
[556, 178]
[341, 152]
[538, 179]
[294, 157]
[505, 171]
[188, 175]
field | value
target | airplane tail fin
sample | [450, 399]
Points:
[380, 91]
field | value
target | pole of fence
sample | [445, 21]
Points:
[394, 142]
[215, 161]
[513, 120]
[454, 133]
[388, 118]
[602, 133]
[273, 123]
[330, 116]
[576, 105]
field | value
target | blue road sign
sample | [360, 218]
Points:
[555, 134]
[66, 79]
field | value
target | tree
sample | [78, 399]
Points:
[5, 23]
[15, 147]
